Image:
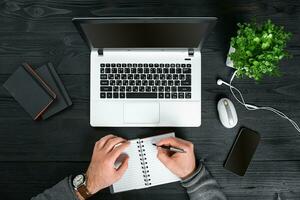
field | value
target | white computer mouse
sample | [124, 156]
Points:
[227, 113]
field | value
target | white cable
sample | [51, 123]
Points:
[254, 107]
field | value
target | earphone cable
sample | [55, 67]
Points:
[254, 107]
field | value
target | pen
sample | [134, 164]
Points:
[170, 148]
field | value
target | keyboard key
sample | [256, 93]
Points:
[152, 70]
[103, 76]
[113, 65]
[174, 95]
[117, 76]
[177, 65]
[102, 95]
[187, 82]
[178, 70]
[154, 89]
[169, 76]
[144, 82]
[163, 83]
[128, 89]
[116, 88]
[122, 89]
[104, 82]
[133, 70]
[140, 70]
[124, 76]
[149, 76]
[143, 76]
[146, 70]
[107, 70]
[148, 89]
[120, 70]
[102, 71]
[157, 82]
[177, 83]
[138, 82]
[141, 89]
[123, 65]
[167, 89]
[188, 95]
[122, 95]
[127, 70]
[174, 89]
[167, 95]
[114, 70]
[105, 88]
[102, 65]
[125, 82]
[181, 95]
[161, 89]
[119, 82]
[130, 76]
[161, 95]
[109, 95]
[112, 82]
[188, 65]
[141, 95]
[111, 76]
[170, 83]
[116, 95]
[151, 82]
[184, 89]
[135, 89]
[187, 77]
[131, 82]
[166, 70]
[172, 70]
[136, 76]
[186, 70]
[181, 76]
[107, 65]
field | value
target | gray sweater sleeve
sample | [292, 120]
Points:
[201, 185]
[62, 191]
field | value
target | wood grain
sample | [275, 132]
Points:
[40, 154]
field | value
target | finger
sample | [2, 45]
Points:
[163, 156]
[111, 143]
[175, 142]
[103, 140]
[116, 152]
[121, 170]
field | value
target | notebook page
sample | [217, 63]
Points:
[159, 174]
[133, 177]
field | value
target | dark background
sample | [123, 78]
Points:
[36, 155]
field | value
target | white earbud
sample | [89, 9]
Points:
[220, 82]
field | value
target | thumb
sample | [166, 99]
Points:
[121, 170]
[163, 157]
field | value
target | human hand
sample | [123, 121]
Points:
[181, 164]
[101, 172]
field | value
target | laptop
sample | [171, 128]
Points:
[145, 71]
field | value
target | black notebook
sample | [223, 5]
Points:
[62, 101]
[144, 168]
[30, 91]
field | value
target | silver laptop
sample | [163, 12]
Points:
[145, 72]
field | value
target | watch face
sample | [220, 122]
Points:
[78, 180]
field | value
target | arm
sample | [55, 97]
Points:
[197, 181]
[101, 172]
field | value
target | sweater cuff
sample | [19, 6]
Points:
[189, 180]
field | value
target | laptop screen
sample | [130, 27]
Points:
[144, 34]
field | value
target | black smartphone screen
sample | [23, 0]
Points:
[242, 151]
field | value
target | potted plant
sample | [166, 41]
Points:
[256, 50]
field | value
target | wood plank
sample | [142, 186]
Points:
[263, 180]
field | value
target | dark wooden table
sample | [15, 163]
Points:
[36, 155]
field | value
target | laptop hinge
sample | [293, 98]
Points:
[100, 52]
[191, 52]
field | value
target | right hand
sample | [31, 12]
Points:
[101, 172]
[181, 164]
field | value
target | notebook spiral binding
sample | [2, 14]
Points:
[144, 162]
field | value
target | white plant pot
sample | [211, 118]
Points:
[229, 62]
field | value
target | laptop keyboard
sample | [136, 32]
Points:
[142, 81]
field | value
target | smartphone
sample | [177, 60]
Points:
[242, 151]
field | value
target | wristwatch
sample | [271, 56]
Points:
[79, 184]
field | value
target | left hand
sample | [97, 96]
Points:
[101, 172]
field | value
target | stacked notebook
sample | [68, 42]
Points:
[144, 168]
[40, 92]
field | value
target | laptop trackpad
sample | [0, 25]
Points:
[141, 113]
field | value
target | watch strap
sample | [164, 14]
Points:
[83, 191]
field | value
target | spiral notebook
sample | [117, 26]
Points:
[144, 168]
